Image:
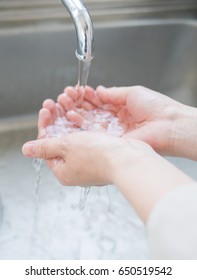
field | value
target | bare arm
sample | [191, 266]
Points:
[146, 180]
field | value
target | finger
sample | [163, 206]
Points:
[75, 117]
[111, 108]
[55, 164]
[87, 106]
[47, 148]
[51, 106]
[73, 93]
[91, 96]
[60, 109]
[82, 102]
[66, 102]
[44, 120]
[123, 114]
[114, 95]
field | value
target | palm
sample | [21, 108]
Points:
[83, 114]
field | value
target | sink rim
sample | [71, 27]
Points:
[59, 27]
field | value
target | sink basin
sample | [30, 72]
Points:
[37, 62]
[48, 221]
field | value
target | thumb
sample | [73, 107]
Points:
[114, 95]
[43, 148]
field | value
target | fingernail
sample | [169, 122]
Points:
[28, 149]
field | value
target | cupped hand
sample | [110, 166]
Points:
[84, 158]
[74, 113]
[79, 157]
[142, 113]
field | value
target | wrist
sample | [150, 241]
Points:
[128, 157]
[144, 177]
[183, 134]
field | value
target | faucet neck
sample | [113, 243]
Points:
[84, 29]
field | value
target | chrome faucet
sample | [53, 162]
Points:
[84, 29]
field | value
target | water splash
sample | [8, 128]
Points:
[84, 68]
[83, 197]
[94, 120]
[110, 205]
[83, 72]
[37, 164]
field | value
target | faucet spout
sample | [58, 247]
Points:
[84, 29]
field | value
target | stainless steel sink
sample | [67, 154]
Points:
[148, 43]
[37, 62]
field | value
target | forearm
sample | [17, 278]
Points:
[182, 138]
[146, 180]
[171, 227]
